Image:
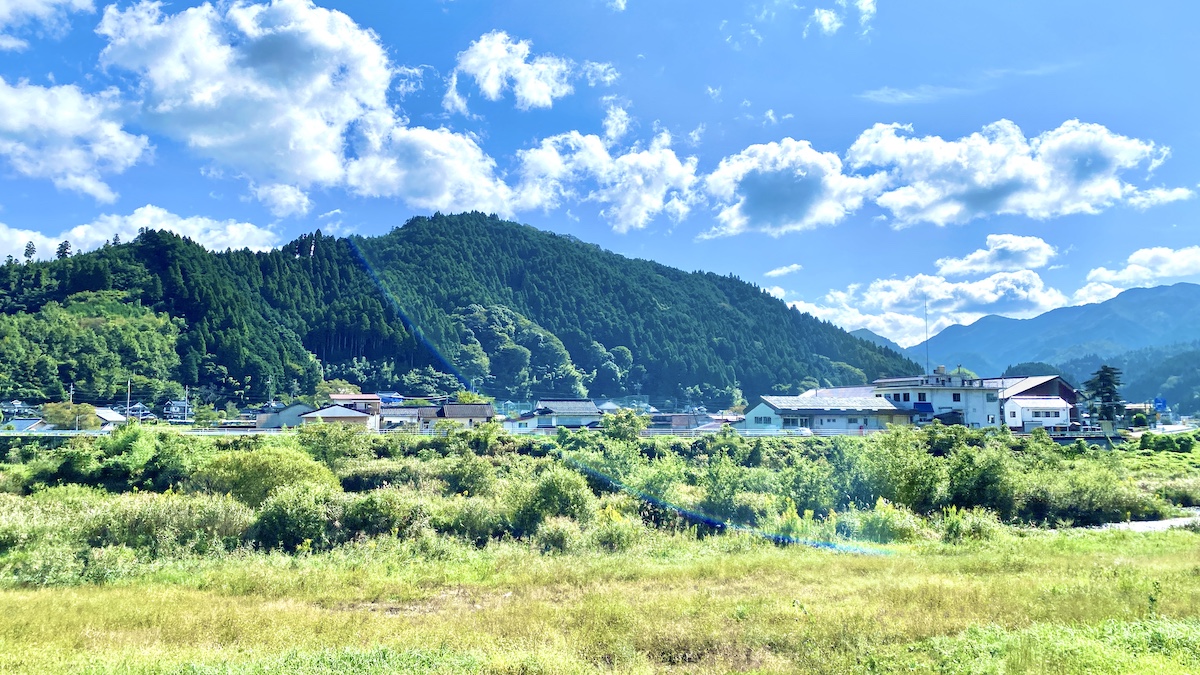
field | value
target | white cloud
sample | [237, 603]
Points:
[1148, 265]
[785, 270]
[783, 187]
[866, 12]
[433, 169]
[696, 134]
[409, 80]
[1095, 291]
[49, 13]
[269, 89]
[633, 187]
[288, 93]
[616, 123]
[713, 92]
[617, 5]
[212, 234]
[775, 292]
[827, 20]
[1072, 169]
[283, 200]
[894, 308]
[498, 63]
[1004, 253]
[67, 136]
[598, 74]
[924, 93]
[1144, 199]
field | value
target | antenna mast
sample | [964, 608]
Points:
[926, 299]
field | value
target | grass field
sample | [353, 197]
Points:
[1037, 601]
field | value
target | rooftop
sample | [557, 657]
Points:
[568, 406]
[817, 403]
[335, 411]
[467, 411]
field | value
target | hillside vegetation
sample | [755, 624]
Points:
[515, 310]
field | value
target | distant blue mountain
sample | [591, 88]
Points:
[1136, 319]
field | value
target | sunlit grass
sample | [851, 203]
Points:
[1043, 602]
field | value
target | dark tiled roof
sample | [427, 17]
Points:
[467, 411]
[569, 406]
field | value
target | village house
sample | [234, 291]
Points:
[942, 396]
[547, 414]
[284, 418]
[364, 403]
[1026, 413]
[110, 419]
[336, 414]
[178, 412]
[1041, 387]
[854, 410]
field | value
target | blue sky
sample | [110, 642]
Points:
[855, 158]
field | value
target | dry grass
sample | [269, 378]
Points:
[1063, 602]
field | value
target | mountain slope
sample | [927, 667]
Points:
[1135, 319]
[504, 306]
[876, 339]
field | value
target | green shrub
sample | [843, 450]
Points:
[475, 519]
[976, 524]
[469, 474]
[557, 492]
[333, 444]
[558, 534]
[299, 517]
[1084, 495]
[888, 522]
[250, 477]
[384, 511]
[164, 523]
[613, 531]
[364, 475]
[1182, 492]
[981, 477]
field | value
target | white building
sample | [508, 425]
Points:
[836, 412]
[945, 397]
[1026, 413]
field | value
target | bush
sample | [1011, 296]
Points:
[981, 477]
[299, 517]
[333, 444]
[976, 524]
[613, 531]
[887, 523]
[164, 523]
[469, 475]
[250, 477]
[475, 519]
[1181, 492]
[557, 492]
[386, 511]
[1084, 495]
[559, 534]
[365, 475]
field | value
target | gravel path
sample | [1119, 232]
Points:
[1155, 525]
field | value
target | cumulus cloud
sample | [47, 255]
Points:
[775, 292]
[633, 187]
[67, 136]
[1075, 168]
[616, 123]
[50, 14]
[1004, 253]
[291, 94]
[212, 234]
[283, 200]
[894, 307]
[1144, 199]
[826, 20]
[785, 270]
[409, 80]
[498, 63]
[1148, 265]
[783, 187]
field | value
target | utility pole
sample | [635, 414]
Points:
[128, 395]
[71, 400]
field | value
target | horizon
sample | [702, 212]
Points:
[993, 171]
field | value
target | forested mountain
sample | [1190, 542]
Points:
[877, 339]
[1172, 372]
[515, 311]
[1135, 319]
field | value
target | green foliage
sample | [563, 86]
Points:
[558, 534]
[624, 425]
[888, 522]
[384, 512]
[333, 444]
[557, 492]
[300, 517]
[166, 523]
[1103, 392]
[68, 416]
[251, 476]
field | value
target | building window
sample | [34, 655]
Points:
[1057, 413]
[957, 397]
[1012, 413]
[991, 397]
[991, 419]
[522, 425]
[1037, 413]
[762, 420]
[906, 397]
[921, 397]
[852, 420]
[790, 423]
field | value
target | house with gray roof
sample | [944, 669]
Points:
[837, 414]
